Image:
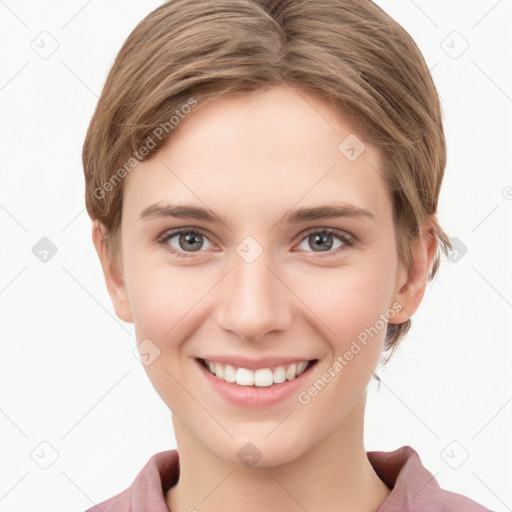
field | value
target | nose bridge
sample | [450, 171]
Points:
[254, 300]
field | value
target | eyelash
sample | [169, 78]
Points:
[347, 240]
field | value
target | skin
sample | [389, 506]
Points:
[251, 159]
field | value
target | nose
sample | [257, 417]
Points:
[255, 300]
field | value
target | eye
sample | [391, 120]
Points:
[187, 240]
[322, 241]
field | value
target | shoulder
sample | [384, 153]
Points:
[147, 491]
[414, 488]
[118, 503]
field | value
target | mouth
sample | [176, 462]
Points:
[258, 378]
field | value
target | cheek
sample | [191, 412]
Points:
[161, 295]
[350, 300]
[165, 304]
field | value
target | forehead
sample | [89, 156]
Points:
[263, 152]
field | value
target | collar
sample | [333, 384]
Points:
[414, 488]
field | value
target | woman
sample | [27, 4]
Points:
[263, 178]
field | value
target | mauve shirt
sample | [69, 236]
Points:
[414, 488]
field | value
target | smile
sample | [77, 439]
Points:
[261, 377]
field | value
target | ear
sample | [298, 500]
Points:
[411, 283]
[113, 275]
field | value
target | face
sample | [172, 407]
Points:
[261, 278]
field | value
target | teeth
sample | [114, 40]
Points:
[291, 372]
[279, 375]
[263, 377]
[229, 373]
[301, 367]
[244, 377]
[219, 370]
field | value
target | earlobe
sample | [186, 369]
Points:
[113, 275]
[412, 283]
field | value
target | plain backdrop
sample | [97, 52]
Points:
[79, 417]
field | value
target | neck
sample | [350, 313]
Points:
[333, 475]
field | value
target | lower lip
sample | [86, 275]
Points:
[253, 396]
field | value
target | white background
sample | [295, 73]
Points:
[67, 373]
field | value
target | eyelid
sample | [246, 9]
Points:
[347, 239]
[171, 233]
[332, 231]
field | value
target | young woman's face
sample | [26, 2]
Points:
[257, 281]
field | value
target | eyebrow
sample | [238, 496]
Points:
[187, 211]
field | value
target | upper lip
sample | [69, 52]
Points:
[255, 363]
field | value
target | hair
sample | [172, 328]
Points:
[348, 53]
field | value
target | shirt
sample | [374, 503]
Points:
[414, 488]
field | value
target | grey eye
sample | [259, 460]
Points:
[188, 241]
[321, 242]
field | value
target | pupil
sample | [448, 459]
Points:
[322, 239]
[191, 241]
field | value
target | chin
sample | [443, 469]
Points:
[261, 453]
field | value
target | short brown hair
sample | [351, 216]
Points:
[349, 53]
